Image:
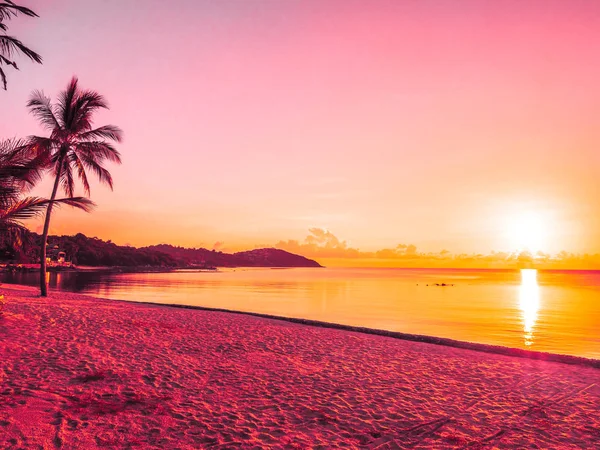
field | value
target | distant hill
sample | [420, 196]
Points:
[263, 257]
[273, 257]
[86, 251]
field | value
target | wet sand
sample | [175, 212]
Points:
[79, 372]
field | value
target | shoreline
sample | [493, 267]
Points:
[427, 339]
[27, 267]
[80, 371]
[33, 268]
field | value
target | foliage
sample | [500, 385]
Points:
[19, 171]
[86, 251]
[74, 147]
[9, 45]
[264, 257]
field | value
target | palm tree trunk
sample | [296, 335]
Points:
[43, 283]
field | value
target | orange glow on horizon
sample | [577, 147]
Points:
[472, 128]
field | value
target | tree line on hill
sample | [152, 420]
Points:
[85, 251]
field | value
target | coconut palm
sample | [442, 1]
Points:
[9, 45]
[74, 146]
[19, 171]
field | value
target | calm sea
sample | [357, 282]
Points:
[553, 311]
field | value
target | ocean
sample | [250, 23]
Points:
[551, 311]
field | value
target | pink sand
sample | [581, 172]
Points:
[78, 372]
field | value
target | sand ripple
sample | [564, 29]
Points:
[87, 373]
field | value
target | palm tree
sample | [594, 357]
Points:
[9, 45]
[19, 171]
[73, 147]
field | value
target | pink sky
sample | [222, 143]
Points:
[435, 123]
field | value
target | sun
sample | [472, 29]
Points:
[527, 232]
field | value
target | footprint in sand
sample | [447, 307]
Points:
[149, 379]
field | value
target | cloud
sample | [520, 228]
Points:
[321, 244]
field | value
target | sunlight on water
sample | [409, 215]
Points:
[541, 310]
[529, 303]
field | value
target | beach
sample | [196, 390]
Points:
[83, 372]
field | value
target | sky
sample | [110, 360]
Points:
[469, 127]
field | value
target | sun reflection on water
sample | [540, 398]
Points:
[529, 303]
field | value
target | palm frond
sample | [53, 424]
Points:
[8, 9]
[11, 152]
[111, 132]
[24, 209]
[17, 163]
[82, 203]
[85, 105]
[10, 45]
[8, 62]
[66, 179]
[65, 103]
[3, 78]
[103, 175]
[13, 234]
[31, 207]
[99, 150]
[9, 192]
[41, 107]
[40, 147]
[27, 173]
[9, 195]
[74, 160]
